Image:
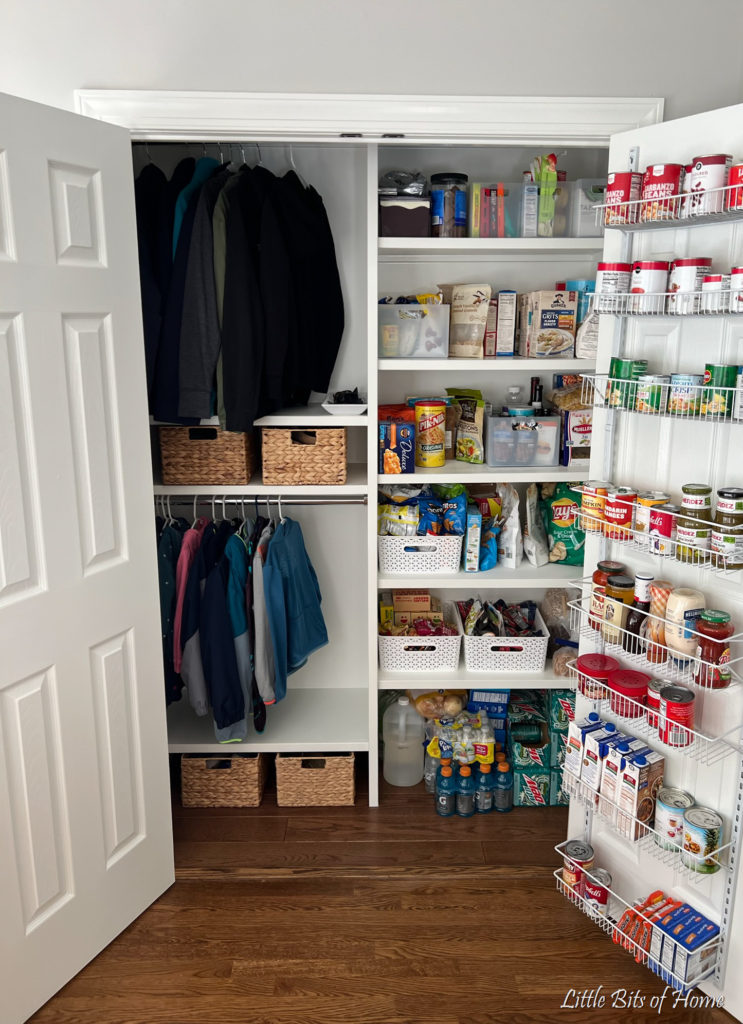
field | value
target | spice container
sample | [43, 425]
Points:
[695, 524]
[593, 674]
[713, 647]
[620, 592]
[628, 683]
[600, 578]
[726, 538]
[684, 607]
[449, 205]
[685, 398]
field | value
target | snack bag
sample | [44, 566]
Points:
[397, 520]
[431, 513]
[489, 544]
[470, 439]
[469, 312]
[455, 515]
[560, 515]
[536, 547]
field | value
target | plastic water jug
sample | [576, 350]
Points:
[403, 731]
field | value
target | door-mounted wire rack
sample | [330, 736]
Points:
[618, 910]
[684, 209]
[719, 302]
[652, 542]
[705, 403]
[686, 865]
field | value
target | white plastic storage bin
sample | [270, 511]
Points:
[519, 441]
[413, 332]
[422, 653]
[588, 195]
[506, 653]
[419, 555]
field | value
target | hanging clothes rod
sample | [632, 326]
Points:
[190, 500]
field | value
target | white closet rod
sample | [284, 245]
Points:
[185, 499]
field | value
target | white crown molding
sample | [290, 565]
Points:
[222, 116]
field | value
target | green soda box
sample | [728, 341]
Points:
[526, 706]
[558, 796]
[531, 787]
[530, 753]
[558, 747]
[561, 709]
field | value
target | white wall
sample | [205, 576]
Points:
[683, 50]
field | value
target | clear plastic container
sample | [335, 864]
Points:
[413, 331]
[449, 205]
[403, 731]
[520, 441]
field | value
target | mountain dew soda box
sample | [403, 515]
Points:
[561, 709]
[531, 787]
[558, 796]
[558, 748]
[526, 706]
[536, 754]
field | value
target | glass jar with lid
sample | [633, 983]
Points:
[726, 538]
[694, 526]
[449, 205]
[715, 629]
[620, 592]
[600, 578]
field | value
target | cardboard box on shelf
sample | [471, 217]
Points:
[411, 600]
[561, 709]
[550, 326]
[471, 547]
[433, 614]
[640, 781]
[386, 610]
[526, 706]
[558, 748]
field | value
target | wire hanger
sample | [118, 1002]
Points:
[260, 156]
[302, 182]
[195, 517]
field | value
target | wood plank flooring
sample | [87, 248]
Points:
[354, 915]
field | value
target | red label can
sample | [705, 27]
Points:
[735, 191]
[578, 858]
[705, 192]
[622, 187]
[661, 185]
[676, 716]
[619, 513]
[653, 702]
[662, 534]
[596, 891]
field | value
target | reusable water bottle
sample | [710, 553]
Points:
[446, 792]
[403, 731]
[465, 792]
[503, 792]
[484, 787]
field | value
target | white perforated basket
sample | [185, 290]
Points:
[507, 653]
[419, 555]
[422, 653]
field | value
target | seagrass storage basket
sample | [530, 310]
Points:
[235, 780]
[315, 780]
[304, 456]
[206, 455]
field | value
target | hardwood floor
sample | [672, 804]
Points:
[353, 915]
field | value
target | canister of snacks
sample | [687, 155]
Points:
[449, 205]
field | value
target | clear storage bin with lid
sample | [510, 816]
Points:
[449, 205]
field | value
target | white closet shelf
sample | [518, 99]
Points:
[464, 680]
[506, 364]
[356, 484]
[495, 246]
[523, 578]
[466, 472]
[306, 720]
[300, 416]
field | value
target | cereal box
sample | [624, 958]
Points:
[551, 324]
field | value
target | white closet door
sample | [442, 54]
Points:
[85, 828]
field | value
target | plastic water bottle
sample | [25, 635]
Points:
[484, 790]
[465, 792]
[430, 772]
[446, 792]
[503, 791]
[403, 730]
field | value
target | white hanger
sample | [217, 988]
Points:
[295, 168]
[278, 500]
[195, 517]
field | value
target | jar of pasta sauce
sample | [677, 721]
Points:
[715, 629]
[600, 577]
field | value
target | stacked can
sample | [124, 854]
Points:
[646, 502]
[685, 284]
[648, 284]
[705, 185]
[622, 193]
[661, 185]
[621, 388]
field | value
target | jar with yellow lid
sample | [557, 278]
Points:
[694, 526]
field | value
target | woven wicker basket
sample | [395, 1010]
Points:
[237, 780]
[304, 456]
[206, 455]
[315, 780]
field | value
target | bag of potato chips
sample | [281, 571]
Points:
[560, 514]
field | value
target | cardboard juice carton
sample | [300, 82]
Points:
[641, 778]
[611, 773]
[595, 748]
[577, 732]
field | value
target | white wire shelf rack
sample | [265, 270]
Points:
[689, 868]
[712, 206]
[706, 403]
[723, 302]
[651, 654]
[618, 910]
[631, 716]
[651, 542]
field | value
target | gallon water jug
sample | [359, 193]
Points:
[403, 731]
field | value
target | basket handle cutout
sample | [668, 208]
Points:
[506, 650]
[304, 437]
[419, 647]
[419, 548]
[220, 764]
[202, 433]
[313, 762]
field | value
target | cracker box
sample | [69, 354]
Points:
[506, 333]
[531, 787]
[396, 447]
[411, 600]
[558, 796]
[551, 324]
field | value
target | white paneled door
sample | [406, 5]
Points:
[85, 835]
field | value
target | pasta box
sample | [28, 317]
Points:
[396, 447]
